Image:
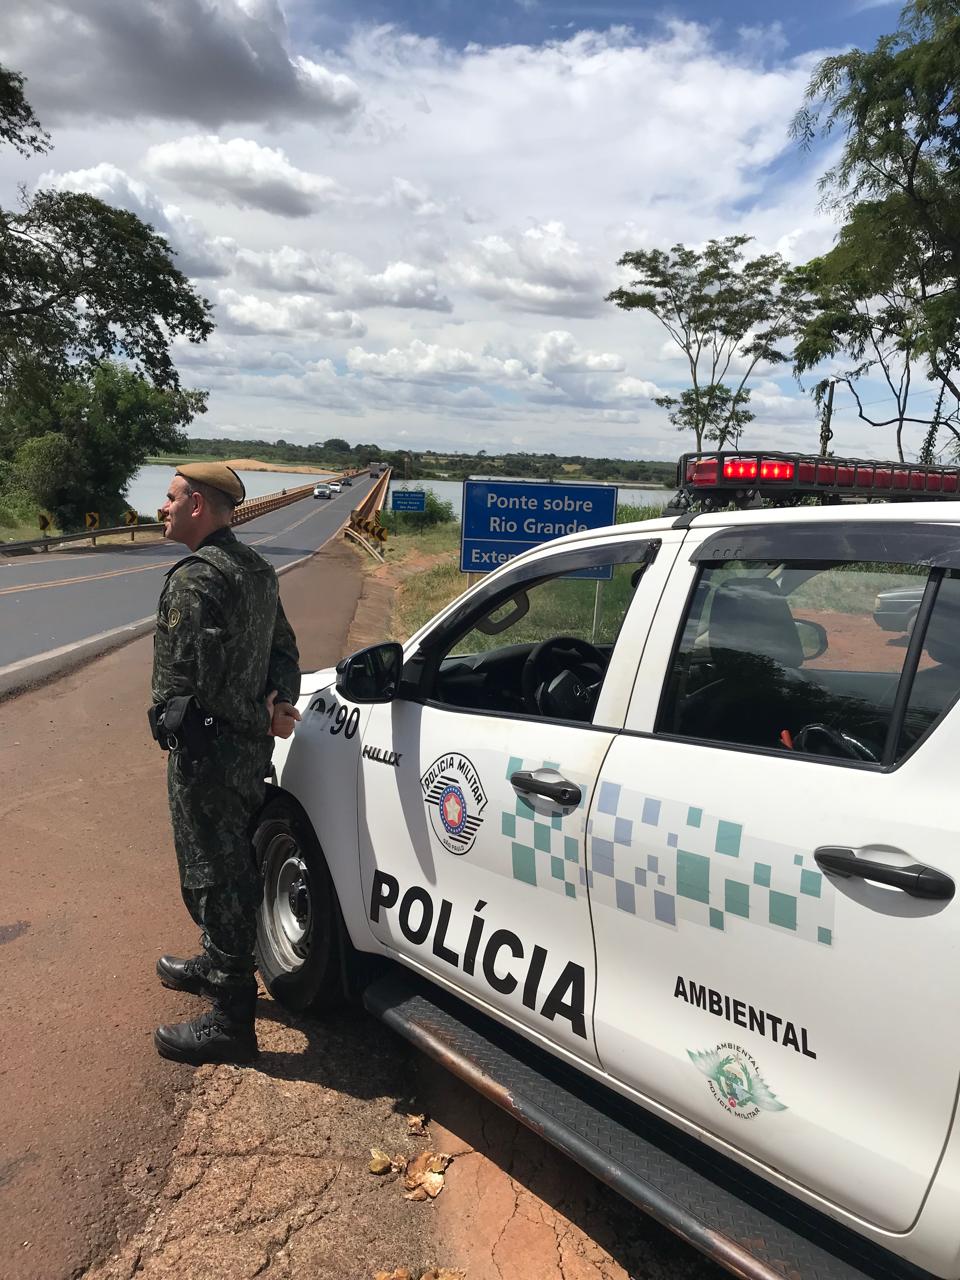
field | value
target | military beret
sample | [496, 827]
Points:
[218, 476]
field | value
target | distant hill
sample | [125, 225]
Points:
[337, 454]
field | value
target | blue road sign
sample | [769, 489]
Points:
[408, 500]
[502, 518]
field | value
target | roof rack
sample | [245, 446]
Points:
[745, 478]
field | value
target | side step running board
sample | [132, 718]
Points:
[737, 1219]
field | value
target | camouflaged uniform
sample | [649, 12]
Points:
[223, 637]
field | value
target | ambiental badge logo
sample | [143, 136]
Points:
[455, 799]
[735, 1081]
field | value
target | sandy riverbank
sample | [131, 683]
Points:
[253, 464]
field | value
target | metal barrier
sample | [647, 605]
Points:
[365, 526]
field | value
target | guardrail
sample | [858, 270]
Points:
[365, 527]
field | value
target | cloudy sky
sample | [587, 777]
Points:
[407, 213]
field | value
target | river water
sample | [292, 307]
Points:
[148, 488]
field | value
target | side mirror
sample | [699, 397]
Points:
[372, 675]
[813, 638]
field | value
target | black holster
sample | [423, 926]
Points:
[180, 724]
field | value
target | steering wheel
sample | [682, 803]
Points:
[553, 685]
[843, 743]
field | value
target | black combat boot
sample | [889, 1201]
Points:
[186, 975]
[225, 1033]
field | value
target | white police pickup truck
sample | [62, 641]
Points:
[653, 836]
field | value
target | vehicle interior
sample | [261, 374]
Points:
[752, 669]
[543, 651]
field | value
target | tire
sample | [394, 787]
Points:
[299, 937]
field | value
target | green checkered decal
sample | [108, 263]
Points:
[545, 842]
[670, 863]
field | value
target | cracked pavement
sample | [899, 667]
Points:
[513, 1208]
[270, 1177]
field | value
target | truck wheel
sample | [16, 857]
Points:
[298, 938]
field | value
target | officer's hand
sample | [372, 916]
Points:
[283, 716]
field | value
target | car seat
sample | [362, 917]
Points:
[756, 653]
[935, 688]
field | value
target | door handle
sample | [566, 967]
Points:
[916, 880]
[563, 792]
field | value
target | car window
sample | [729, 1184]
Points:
[936, 684]
[794, 657]
[545, 649]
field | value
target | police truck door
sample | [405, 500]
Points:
[741, 985]
[474, 799]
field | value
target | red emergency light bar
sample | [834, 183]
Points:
[734, 476]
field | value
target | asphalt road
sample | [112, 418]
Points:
[65, 597]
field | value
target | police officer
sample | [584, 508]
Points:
[225, 678]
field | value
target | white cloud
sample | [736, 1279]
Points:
[429, 361]
[240, 171]
[399, 284]
[558, 350]
[296, 314]
[406, 195]
[636, 389]
[541, 270]
[457, 215]
[287, 268]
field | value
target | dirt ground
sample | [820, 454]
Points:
[115, 1164]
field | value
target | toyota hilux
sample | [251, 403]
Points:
[652, 836]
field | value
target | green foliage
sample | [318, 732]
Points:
[871, 333]
[897, 182]
[630, 513]
[46, 466]
[98, 430]
[18, 125]
[712, 412]
[83, 282]
[436, 511]
[17, 508]
[80, 281]
[716, 307]
[428, 464]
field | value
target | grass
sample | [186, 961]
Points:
[425, 593]
[20, 532]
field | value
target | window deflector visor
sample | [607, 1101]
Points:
[841, 541]
[489, 595]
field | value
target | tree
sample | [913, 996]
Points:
[725, 314]
[709, 412]
[897, 182]
[18, 125]
[93, 435]
[875, 335]
[80, 281]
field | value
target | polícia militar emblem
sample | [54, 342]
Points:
[735, 1081]
[455, 800]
